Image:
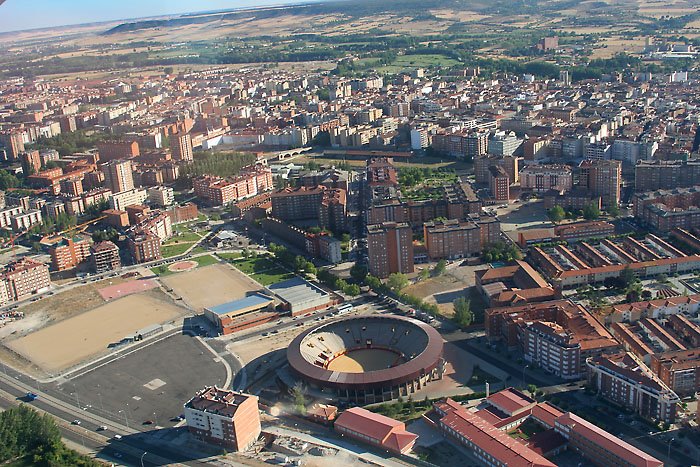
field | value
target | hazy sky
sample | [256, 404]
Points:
[17, 15]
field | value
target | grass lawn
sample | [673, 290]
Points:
[263, 270]
[177, 249]
[162, 273]
[229, 256]
[185, 237]
[527, 430]
[199, 249]
[207, 260]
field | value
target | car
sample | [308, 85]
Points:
[265, 334]
[76, 422]
[118, 455]
[117, 437]
[276, 331]
[30, 396]
[101, 428]
[148, 422]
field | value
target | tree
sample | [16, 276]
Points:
[7, 180]
[397, 282]
[463, 316]
[440, 268]
[215, 217]
[424, 274]
[627, 276]
[591, 212]
[352, 289]
[24, 433]
[345, 238]
[358, 272]
[299, 397]
[556, 214]
[646, 295]
[613, 211]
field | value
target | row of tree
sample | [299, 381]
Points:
[35, 438]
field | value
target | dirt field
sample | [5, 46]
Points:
[209, 286]
[76, 339]
[361, 360]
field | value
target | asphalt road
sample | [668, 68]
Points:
[126, 451]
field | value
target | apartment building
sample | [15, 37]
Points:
[13, 143]
[679, 370]
[459, 239]
[111, 150]
[226, 418]
[503, 144]
[25, 220]
[297, 203]
[162, 196]
[144, 247]
[31, 162]
[121, 200]
[510, 164]
[666, 210]
[602, 178]
[104, 256]
[624, 380]
[181, 147]
[332, 212]
[118, 175]
[556, 335]
[666, 175]
[546, 177]
[69, 253]
[217, 191]
[499, 183]
[380, 171]
[24, 278]
[390, 248]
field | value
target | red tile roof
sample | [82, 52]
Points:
[389, 433]
[610, 443]
[490, 439]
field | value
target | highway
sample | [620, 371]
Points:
[126, 451]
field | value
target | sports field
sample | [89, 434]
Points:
[361, 360]
[210, 285]
[74, 340]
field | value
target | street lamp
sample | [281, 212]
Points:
[669, 447]
[142, 456]
[523, 378]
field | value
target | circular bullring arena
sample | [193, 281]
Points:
[368, 359]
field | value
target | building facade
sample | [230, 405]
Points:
[390, 248]
[226, 418]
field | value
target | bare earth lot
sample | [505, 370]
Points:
[210, 286]
[72, 341]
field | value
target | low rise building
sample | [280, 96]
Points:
[378, 430]
[254, 310]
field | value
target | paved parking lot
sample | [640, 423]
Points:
[151, 383]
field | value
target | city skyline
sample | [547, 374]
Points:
[18, 15]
